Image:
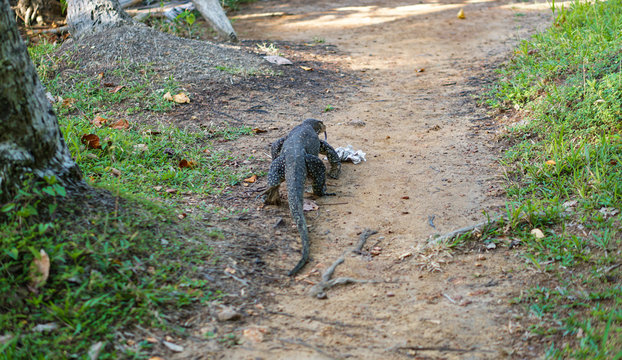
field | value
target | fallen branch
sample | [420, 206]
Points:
[326, 283]
[464, 230]
[50, 31]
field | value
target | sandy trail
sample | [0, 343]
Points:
[431, 161]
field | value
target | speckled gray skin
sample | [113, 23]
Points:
[294, 157]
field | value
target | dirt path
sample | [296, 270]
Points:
[430, 169]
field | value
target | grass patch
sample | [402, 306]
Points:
[113, 263]
[565, 175]
[143, 159]
[116, 260]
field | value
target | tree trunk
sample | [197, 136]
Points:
[91, 16]
[30, 139]
[214, 14]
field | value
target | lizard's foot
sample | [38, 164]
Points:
[271, 196]
[335, 171]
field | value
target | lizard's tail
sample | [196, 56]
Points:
[298, 215]
[295, 192]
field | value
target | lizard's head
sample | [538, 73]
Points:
[317, 125]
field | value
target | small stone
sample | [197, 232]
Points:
[228, 314]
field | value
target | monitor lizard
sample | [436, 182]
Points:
[294, 157]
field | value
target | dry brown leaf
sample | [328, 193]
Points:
[108, 84]
[181, 98]
[115, 172]
[306, 68]
[39, 270]
[168, 96]
[100, 76]
[254, 334]
[251, 179]
[420, 70]
[259, 131]
[187, 163]
[116, 89]
[68, 102]
[99, 121]
[121, 124]
[229, 270]
[461, 14]
[182, 216]
[550, 162]
[91, 141]
[171, 190]
[152, 340]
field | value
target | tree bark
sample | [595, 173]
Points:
[91, 16]
[30, 139]
[214, 14]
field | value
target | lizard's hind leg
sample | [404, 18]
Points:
[317, 171]
[276, 175]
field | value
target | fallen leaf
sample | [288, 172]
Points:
[39, 270]
[537, 233]
[116, 89]
[68, 102]
[121, 124]
[156, 358]
[99, 121]
[229, 270]
[91, 141]
[157, 188]
[151, 340]
[405, 197]
[141, 147]
[461, 14]
[173, 347]
[309, 205]
[181, 98]
[259, 131]
[100, 76]
[405, 255]
[254, 334]
[279, 60]
[251, 179]
[168, 96]
[306, 68]
[182, 216]
[550, 162]
[171, 191]
[95, 350]
[187, 164]
[45, 327]
[108, 84]
[115, 172]
[207, 151]
[420, 70]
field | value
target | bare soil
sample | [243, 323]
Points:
[412, 71]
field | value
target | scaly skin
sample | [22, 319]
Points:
[293, 158]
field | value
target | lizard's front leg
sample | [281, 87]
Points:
[333, 159]
[317, 171]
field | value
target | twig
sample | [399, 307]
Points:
[302, 343]
[432, 348]
[464, 230]
[50, 31]
[449, 298]
[236, 278]
[337, 203]
[326, 283]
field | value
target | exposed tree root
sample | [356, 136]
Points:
[467, 229]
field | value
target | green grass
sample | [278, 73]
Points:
[117, 259]
[143, 158]
[565, 176]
